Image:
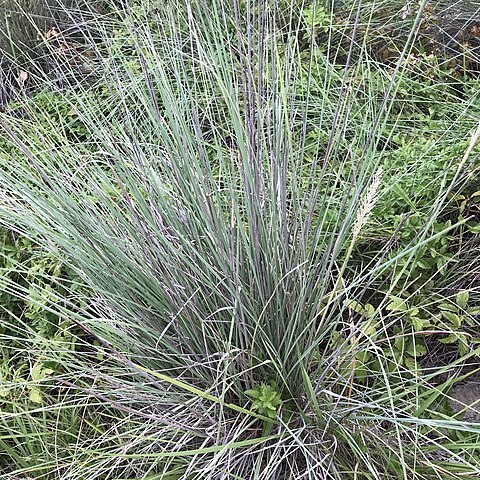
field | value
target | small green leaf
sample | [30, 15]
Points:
[411, 363]
[452, 338]
[35, 395]
[417, 324]
[423, 264]
[369, 327]
[397, 305]
[462, 299]
[453, 318]
[400, 343]
[356, 307]
[416, 349]
[253, 393]
[448, 307]
[266, 399]
[316, 16]
[37, 372]
[474, 228]
[414, 311]
[269, 412]
[369, 310]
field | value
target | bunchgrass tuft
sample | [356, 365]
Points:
[210, 194]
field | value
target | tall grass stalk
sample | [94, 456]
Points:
[217, 244]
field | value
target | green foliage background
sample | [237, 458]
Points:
[230, 255]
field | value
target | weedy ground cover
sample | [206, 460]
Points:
[244, 248]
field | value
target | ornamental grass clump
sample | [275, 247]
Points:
[212, 216]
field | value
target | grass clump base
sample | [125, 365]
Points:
[257, 253]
